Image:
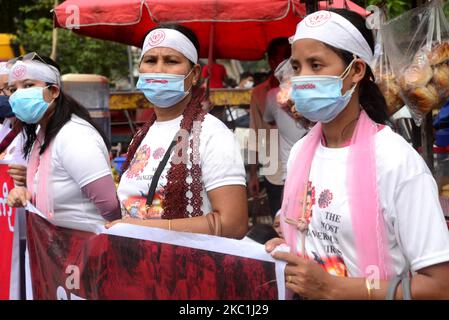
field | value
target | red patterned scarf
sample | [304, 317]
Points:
[176, 202]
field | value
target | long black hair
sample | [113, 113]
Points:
[371, 98]
[65, 107]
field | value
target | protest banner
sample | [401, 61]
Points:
[135, 262]
[7, 219]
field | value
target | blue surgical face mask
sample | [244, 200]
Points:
[319, 98]
[28, 104]
[162, 89]
[5, 108]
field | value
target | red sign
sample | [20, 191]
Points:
[72, 265]
[7, 216]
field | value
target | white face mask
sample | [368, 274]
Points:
[248, 84]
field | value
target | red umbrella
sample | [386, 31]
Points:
[238, 29]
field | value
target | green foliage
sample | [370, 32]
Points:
[398, 7]
[256, 66]
[446, 9]
[36, 6]
[75, 54]
[394, 7]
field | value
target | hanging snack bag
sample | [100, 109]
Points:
[417, 44]
[384, 74]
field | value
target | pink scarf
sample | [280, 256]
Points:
[43, 197]
[366, 215]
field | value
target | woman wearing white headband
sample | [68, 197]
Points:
[184, 170]
[11, 150]
[360, 206]
[11, 137]
[68, 175]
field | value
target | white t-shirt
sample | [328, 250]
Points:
[5, 127]
[417, 233]
[14, 152]
[14, 155]
[220, 160]
[78, 157]
[290, 130]
[273, 173]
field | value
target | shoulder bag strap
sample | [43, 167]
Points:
[158, 172]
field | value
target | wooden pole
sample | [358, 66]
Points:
[311, 6]
[54, 44]
[130, 67]
[210, 57]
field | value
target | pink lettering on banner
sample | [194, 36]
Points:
[157, 36]
[7, 216]
[318, 18]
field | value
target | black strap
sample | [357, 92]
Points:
[158, 172]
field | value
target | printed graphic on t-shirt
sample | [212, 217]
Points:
[159, 153]
[9, 152]
[310, 201]
[325, 199]
[324, 233]
[135, 207]
[334, 265]
[139, 162]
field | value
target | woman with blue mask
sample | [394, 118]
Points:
[68, 172]
[360, 210]
[184, 169]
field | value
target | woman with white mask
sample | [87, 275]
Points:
[184, 170]
[68, 171]
[360, 206]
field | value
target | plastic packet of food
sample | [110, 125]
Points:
[384, 74]
[283, 73]
[417, 43]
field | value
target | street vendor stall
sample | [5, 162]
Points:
[130, 109]
[239, 30]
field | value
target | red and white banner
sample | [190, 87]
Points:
[135, 262]
[7, 219]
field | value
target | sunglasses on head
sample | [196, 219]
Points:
[33, 56]
[27, 57]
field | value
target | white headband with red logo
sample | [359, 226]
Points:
[334, 30]
[170, 38]
[34, 70]
[4, 70]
